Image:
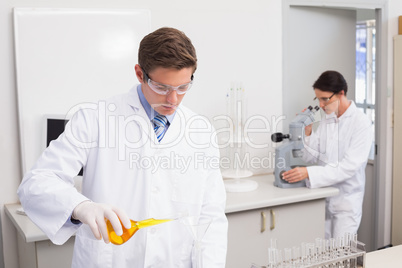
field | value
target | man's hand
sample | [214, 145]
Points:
[295, 175]
[94, 215]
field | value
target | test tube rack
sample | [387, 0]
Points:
[359, 257]
[353, 257]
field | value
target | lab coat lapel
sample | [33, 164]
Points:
[175, 132]
[147, 128]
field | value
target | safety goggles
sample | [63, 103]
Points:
[163, 89]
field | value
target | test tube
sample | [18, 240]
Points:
[348, 238]
[318, 249]
[287, 258]
[340, 242]
[353, 243]
[271, 258]
[303, 253]
[353, 248]
[340, 254]
[296, 257]
[347, 248]
[273, 243]
[327, 250]
[310, 253]
[332, 244]
[279, 257]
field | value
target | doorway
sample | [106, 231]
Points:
[318, 38]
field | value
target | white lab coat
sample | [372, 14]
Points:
[340, 147]
[125, 166]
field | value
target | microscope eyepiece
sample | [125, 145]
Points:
[278, 137]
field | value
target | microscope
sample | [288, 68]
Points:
[286, 153]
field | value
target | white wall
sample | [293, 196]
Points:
[312, 33]
[235, 40]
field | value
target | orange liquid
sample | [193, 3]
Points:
[128, 233]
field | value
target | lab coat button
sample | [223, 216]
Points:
[155, 190]
[152, 230]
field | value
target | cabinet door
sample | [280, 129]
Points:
[50, 255]
[290, 224]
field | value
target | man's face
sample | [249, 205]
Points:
[328, 101]
[164, 104]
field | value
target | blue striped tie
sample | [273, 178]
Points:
[159, 122]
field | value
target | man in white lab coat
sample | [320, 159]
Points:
[144, 156]
[340, 146]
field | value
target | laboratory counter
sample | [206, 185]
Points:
[267, 195]
[266, 212]
[389, 258]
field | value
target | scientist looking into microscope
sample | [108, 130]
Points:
[153, 122]
[340, 148]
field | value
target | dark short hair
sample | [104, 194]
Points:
[167, 48]
[331, 81]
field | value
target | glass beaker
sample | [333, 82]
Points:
[128, 233]
[197, 227]
[136, 225]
